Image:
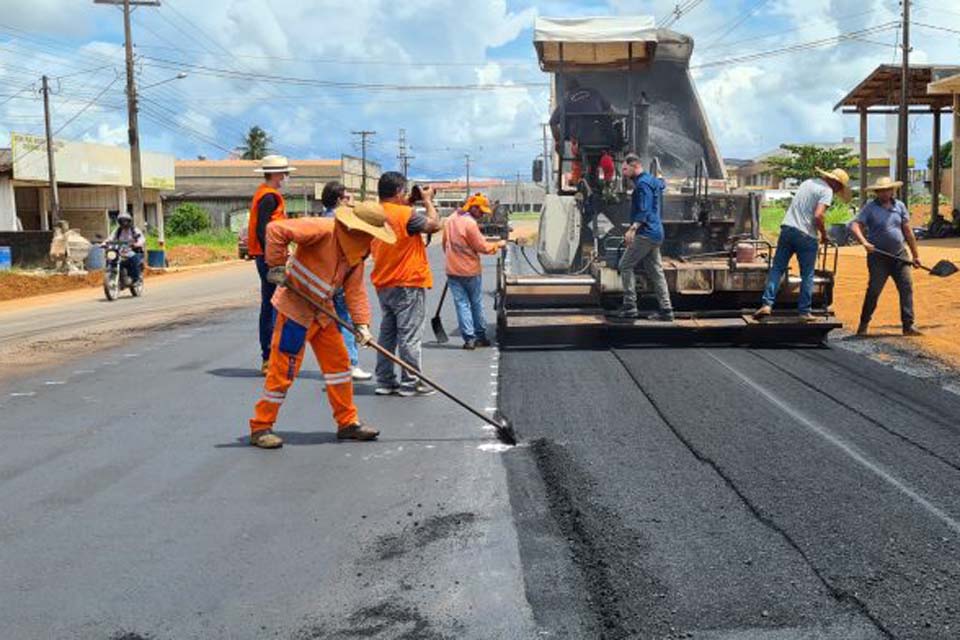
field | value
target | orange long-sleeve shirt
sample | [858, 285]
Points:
[316, 267]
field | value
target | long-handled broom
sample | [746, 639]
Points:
[505, 431]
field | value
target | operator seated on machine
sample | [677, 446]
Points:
[577, 100]
[128, 233]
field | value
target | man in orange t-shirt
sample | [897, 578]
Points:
[401, 275]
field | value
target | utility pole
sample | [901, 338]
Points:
[51, 164]
[363, 160]
[516, 194]
[466, 157]
[403, 156]
[903, 123]
[133, 129]
[546, 160]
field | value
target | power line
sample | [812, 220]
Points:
[746, 15]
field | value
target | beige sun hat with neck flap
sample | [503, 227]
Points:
[840, 176]
[367, 217]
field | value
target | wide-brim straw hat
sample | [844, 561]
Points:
[478, 200]
[274, 164]
[841, 176]
[885, 182]
[367, 217]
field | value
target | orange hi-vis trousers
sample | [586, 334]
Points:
[286, 355]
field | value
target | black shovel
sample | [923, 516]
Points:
[436, 323]
[942, 269]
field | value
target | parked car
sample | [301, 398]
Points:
[242, 250]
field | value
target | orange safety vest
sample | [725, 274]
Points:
[280, 213]
[403, 264]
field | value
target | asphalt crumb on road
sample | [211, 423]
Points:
[419, 534]
[607, 554]
[386, 619]
[130, 635]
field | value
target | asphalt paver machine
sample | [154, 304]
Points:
[622, 85]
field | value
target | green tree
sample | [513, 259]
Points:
[804, 159]
[946, 156]
[256, 144]
[188, 218]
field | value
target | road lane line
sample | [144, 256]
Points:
[848, 449]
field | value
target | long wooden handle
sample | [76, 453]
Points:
[899, 259]
[392, 358]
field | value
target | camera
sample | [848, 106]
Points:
[416, 194]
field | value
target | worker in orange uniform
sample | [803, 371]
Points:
[462, 244]
[329, 256]
[266, 207]
[402, 276]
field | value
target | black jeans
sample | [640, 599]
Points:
[881, 268]
[267, 313]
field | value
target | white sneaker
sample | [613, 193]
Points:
[360, 374]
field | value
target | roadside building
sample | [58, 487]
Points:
[757, 174]
[224, 187]
[518, 196]
[94, 185]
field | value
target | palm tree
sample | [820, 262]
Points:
[256, 144]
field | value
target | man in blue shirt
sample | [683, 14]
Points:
[643, 240]
[884, 224]
[333, 195]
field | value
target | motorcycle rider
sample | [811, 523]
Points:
[127, 232]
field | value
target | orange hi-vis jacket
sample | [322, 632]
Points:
[317, 268]
[253, 242]
[403, 264]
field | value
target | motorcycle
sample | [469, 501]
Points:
[115, 277]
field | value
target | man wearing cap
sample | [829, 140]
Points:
[802, 225]
[266, 207]
[462, 245]
[329, 256]
[884, 224]
[401, 275]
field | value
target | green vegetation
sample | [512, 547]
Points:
[805, 159]
[214, 238]
[771, 216]
[256, 144]
[187, 219]
[946, 156]
[525, 215]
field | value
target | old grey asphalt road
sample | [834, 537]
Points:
[132, 506]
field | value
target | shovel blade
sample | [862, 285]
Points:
[943, 269]
[438, 330]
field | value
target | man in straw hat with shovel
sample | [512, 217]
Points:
[882, 227]
[329, 256]
[802, 225]
[267, 206]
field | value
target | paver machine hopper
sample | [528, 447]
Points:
[622, 85]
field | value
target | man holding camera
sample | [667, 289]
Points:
[401, 275]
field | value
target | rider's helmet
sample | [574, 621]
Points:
[125, 219]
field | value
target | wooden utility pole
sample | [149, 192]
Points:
[133, 129]
[403, 156]
[51, 164]
[902, 121]
[467, 158]
[363, 160]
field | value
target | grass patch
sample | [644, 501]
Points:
[771, 216]
[213, 238]
[525, 215]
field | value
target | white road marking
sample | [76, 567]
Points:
[131, 355]
[81, 372]
[490, 409]
[23, 394]
[848, 449]
[495, 447]
[54, 382]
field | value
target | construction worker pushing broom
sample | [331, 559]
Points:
[329, 255]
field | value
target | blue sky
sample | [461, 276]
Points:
[752, 105]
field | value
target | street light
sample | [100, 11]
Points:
[179, 76]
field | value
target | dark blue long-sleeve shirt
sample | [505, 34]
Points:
[647, 204]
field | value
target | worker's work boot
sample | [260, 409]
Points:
[264, 368]
[627, 313]
[661, 316]
[483, 342]
[807, 318]
[419, 390]
[762, 312]
[469, 344]
[360, 375]
[266, 439]
[387, 390]
[912, 331]
[862, 329]
[358, 431]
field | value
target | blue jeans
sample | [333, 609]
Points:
[793, 241]
[133, 265]
[468, 298]
[350, 340]
[267, 313]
